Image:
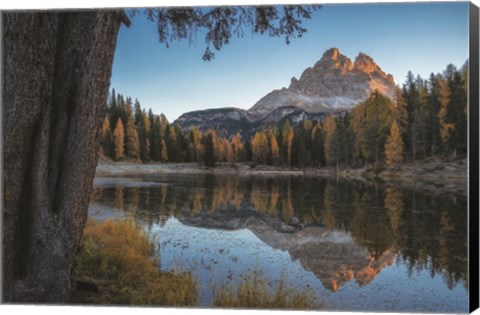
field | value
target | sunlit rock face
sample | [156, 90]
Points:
[333, 83]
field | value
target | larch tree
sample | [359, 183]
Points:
[163, 151]
[274, 149]
[330, 143]
[119, 141]
[289, 145]
[260, 147]
[394, 147]
[284, 144]
[236, 144]
[107, 138]
[56, 73]
[446, 127]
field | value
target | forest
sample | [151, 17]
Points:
[427, 118]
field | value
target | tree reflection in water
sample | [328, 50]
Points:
[424, 230]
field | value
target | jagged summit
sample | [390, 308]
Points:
[332, 59]
[334, 82]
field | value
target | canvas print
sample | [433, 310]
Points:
[293, 157]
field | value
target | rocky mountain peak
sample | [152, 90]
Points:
[365, 63]
[333, 83]
[332, 59]
[332, 54]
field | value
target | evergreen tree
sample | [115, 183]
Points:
[433, 122]
[457, 115]
[372, 120]
[154, 136]
[298, 146]
[174, 145]
[346, 139]
[142, 124]
[209, 150]
[318, 152]
[132, 145]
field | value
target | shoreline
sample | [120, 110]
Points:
[435, 176]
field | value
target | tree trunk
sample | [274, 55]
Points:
[56, 74]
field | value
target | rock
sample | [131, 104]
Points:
[333, 83]
[287, 229]
[294, 221]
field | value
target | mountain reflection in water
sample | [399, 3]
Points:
[341, 231]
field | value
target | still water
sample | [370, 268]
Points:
[357, 246]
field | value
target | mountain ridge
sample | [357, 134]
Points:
[333, 84]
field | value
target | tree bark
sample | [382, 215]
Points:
[56, 74]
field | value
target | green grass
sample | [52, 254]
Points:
[120, 259]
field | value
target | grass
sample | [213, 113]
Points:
[119, 258]
[253, 292]
[118, 264]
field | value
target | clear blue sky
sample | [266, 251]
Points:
[421, 37]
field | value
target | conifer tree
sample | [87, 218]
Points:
[329, 127]
[446, 127]
[107, 139]
[163, 152]
[142, 124]
[132, 145]
[299, 148]
[154, 136]
[372, 120]
[118, 140]
[173, 145]
[236, 145]
[290, 136]
[260, 147]
[285, 158]
[274, 149]
[318, 152]
[394, 147]
[209, 150]
[457, 115]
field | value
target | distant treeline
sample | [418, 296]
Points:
[426, 118]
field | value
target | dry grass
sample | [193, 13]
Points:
[253, 292]
[120, 259]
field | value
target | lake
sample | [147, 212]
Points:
[357, 246]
